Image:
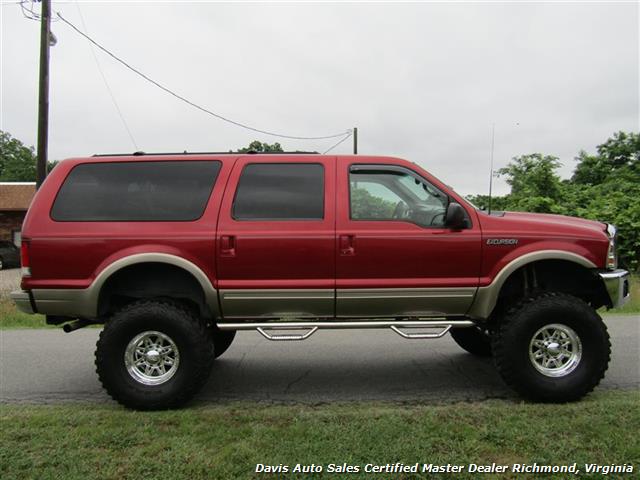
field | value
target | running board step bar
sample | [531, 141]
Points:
[266, 329]
[285, 337]
[421, 336]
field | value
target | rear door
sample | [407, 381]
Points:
[276, 238]
[395, 256]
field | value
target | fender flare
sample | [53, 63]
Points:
[210, 293]
[487, 297]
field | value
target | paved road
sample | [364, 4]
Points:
[49, 366]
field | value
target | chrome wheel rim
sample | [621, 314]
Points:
[152, 358]
[555, 350]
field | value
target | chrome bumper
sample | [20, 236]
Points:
[22, 301]
[617, 285]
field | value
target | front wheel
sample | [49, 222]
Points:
[552, 347]
[154, 355]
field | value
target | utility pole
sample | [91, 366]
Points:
[43, 100]
[355, 140]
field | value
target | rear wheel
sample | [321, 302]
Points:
[552, 347]
[473, 340]
[154, 355]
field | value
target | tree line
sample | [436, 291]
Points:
[18, 162]
[604, 186]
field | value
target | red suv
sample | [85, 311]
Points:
[175, 253]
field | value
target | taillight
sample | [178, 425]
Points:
[25, 261]
[612, 256]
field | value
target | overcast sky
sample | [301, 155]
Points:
[423, 82]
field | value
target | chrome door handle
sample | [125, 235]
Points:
[227, 246]
[347, 248]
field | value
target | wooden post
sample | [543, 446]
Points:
[43, 101]
[355, 140]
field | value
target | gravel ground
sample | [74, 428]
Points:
[9, 281]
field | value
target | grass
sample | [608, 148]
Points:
[11, 317]
[633, 305]
[227, 441]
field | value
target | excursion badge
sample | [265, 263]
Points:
[502, 241]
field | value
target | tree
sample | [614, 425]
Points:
[591, 169]
[261, 147]
[606, 187]
[622, 150]
[17, 161]
[619, 155]
[533, 174]
[367, 206]
[535, 185]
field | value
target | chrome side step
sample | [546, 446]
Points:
[286, 337]
[421, 336]
[265, 328]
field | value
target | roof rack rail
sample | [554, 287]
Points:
[250, 152]
[297, 152]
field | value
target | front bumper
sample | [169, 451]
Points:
[22, 301]
[617, 285]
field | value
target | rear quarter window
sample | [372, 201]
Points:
[136, 191]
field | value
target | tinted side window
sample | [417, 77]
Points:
[136, 191]
[280, 191]
[395, 195]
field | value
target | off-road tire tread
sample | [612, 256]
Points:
[470, 339]
[511, 375]
[222, 340]
[200, 370]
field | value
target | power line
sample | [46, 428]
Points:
[335, 145]
[195, 105]
[28, 12]
[106, 84]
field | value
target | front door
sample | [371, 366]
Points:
[276, 239]
[395, 256]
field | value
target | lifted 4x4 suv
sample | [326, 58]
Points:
[175, 253]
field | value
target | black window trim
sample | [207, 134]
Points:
[324, 195]
[362, 167]
[173, 160]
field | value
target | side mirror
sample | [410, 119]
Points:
[456, 217]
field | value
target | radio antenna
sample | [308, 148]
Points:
[493, 137]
